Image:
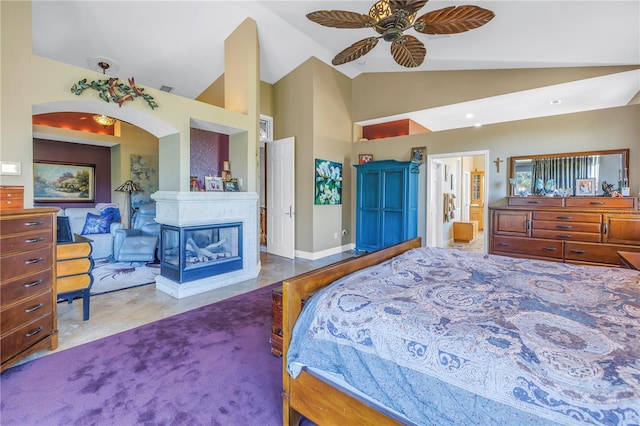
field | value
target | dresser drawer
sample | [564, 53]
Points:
[566, 235]
[26, 224]
[25, 287]
[534, 201]
[601, 202]
[567, 226]
[25, 263]
[11, 197]
[527, 246]
[73, 266]
[26, 311]
[26, 242]
[26, 336]
[595, 253]
[568, 217]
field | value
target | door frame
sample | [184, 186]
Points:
[434, 227]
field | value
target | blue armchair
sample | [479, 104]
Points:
[139, 243]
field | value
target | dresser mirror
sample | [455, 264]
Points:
[556, 174]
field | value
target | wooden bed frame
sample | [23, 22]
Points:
[309, 395]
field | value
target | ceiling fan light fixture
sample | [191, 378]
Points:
[104, 120]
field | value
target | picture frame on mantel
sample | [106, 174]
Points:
[213, 183]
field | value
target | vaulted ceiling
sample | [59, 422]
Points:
[180, 44]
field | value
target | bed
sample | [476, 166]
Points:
[415, 335]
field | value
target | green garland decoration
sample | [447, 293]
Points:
[107, 89]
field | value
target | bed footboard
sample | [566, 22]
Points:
[308, 395]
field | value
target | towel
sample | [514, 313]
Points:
[449, 206]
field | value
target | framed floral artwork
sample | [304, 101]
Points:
[328, 182]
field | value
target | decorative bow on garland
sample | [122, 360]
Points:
[107, 89]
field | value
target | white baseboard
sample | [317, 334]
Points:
[324, 253]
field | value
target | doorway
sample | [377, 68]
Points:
[448, 194]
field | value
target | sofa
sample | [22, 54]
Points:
[102, 242]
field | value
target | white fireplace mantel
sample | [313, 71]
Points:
[184, 209]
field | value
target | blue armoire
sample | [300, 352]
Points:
[386, 203]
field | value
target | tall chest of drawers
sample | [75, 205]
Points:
[28, 321]
[584, 230]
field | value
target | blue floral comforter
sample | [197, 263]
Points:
[449, 337]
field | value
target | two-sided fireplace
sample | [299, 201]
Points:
[192, 252]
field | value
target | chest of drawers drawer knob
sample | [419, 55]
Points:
[578, 251]
[33, 283]
[597, 203]
[32, 261]
[34, 240]
[564, 237]
[565, 217]
[35, 308]
[549, 248]
[33, 223]
[34, 332]
[564, 226]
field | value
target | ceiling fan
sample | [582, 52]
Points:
[391, 17]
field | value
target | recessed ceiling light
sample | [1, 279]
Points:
[556, 102]
[469, 115]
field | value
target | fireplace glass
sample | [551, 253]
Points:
[195, 252]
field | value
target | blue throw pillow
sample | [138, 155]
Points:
[97, 224]
[113, 211]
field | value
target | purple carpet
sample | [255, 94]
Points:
[208, 366]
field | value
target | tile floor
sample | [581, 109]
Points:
[113, 313]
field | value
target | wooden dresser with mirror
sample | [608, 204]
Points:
[573, 229]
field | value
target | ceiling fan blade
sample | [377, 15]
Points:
[408, 51]
[340, 19]
[411, 6]
[356, 50]
[453, 20]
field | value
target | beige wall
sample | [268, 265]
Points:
[293, 116]
[16, 142]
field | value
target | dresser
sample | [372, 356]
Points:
[11, 197]
[386, 203]
[582, 230]
[28, 321]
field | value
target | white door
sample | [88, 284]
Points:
[280, 198]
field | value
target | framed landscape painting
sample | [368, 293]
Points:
[55, 182]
